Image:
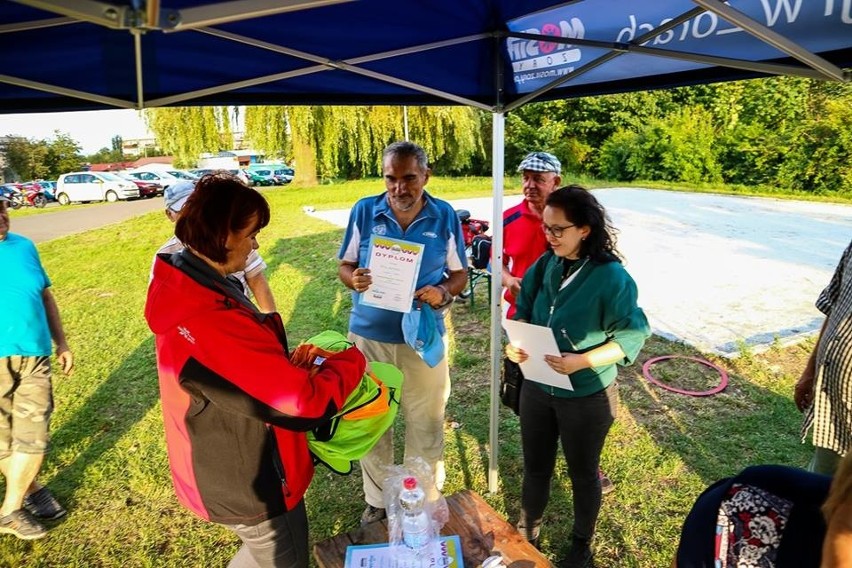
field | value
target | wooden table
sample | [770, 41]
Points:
[483, 533]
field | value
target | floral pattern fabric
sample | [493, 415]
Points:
[749, 527]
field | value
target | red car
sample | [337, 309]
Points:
[146, 188]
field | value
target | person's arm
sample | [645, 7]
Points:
[512, 283]
[54, 322]
[803, 392]
[606, 354]
[442, 294]
[261, 291]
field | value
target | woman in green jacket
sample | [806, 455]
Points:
[581, 291]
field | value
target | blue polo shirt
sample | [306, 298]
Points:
[436, 226]
[23, 320]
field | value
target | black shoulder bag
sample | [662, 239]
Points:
[512, 379]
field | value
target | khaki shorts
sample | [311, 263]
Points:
[26, 403]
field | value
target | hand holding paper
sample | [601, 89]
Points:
[537, 343]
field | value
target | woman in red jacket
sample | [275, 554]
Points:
[235, 409]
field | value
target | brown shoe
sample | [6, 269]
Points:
[22, 524]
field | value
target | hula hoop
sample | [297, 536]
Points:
[723, 382]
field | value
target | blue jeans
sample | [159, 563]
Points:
[280, 542]
[582, 425]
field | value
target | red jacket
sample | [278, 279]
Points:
[234, 408]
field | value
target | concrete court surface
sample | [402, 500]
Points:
[717, 271]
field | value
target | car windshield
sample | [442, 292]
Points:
[262, 172]
[109, 177]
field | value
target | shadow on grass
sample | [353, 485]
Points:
[120, 401]
[714, 436]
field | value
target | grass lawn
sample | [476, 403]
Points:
[108, 463]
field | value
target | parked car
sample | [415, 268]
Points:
[198, 172]
[254, 179]
[181, 174]
[162, 178]
[146, 188]
[266, 174]
[283, 175]
[93, 186]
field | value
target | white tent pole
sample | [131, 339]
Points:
[405, 121]
[498, 128]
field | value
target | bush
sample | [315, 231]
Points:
[677, 147]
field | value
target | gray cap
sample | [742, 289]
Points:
[176, 195]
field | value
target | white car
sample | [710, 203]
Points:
[161, 177]
[94, 186]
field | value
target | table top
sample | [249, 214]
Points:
[482, 531]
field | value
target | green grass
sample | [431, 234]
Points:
[108, 463]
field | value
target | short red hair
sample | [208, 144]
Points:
[220, 205]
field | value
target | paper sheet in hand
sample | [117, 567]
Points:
[394, 266]
[537, 341]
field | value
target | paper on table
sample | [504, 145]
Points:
[394, 266]
[537, 341]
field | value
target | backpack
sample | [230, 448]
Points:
[367, 413]
[480, 251]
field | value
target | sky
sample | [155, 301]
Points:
[92, 130]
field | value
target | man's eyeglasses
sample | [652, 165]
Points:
[555, 230]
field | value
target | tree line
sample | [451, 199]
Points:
[780, 133]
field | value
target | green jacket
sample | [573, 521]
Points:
[597, 306]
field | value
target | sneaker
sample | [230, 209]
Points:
[579, 555]
[607, 486]
[22, 524]
[44, 505]
[372, 514]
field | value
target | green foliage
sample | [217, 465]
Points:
[677, 147]
[818, 158]
[187, 132]
[42, 159]
[348, 141]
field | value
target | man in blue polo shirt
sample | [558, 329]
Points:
[406, 212]
[28, 321]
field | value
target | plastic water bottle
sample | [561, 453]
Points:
[416, 528]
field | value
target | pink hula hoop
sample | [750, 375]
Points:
[646, 371]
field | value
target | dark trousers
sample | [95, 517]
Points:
[582, 424]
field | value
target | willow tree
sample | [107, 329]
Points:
[187, 132]
[347, 141]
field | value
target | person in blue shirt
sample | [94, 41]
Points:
[28, 321]
[405, 212]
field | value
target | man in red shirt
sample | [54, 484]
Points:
[523, 239]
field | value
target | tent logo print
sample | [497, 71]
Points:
[534, 59]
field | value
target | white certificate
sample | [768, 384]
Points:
[394, 266]
[537, 341]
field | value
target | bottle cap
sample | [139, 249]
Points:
[409, 483]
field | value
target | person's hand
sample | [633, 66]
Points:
[514, 285]
[66, 359]
[361, 279]
[566, 363]
[803, 394]
[435, 296]
[516, 354]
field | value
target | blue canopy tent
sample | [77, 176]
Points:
[494, 55]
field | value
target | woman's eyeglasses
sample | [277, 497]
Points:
[555, 230]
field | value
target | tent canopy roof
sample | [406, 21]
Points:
[492, 54]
